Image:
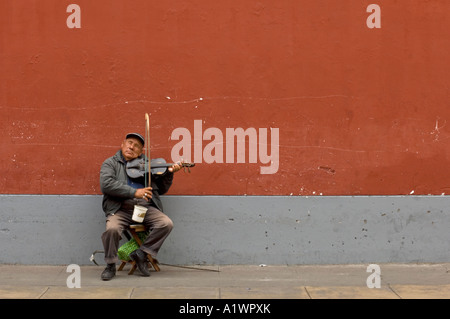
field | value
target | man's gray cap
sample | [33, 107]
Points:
[136, 135]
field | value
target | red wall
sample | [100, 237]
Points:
[360, 111]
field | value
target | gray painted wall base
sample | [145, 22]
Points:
[64, 229]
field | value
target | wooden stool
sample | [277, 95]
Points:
[134, 229]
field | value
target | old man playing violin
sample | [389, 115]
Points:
[121, 193]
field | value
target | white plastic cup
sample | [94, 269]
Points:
[139, 213]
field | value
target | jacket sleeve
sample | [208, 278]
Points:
[110, 182]
[164, 182]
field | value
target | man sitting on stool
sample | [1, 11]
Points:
[121, 193]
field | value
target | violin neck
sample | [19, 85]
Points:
[162, 165]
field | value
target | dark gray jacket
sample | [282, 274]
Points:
[115, 188]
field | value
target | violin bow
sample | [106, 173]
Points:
[147, 149]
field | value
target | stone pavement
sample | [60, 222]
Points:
[398, 281]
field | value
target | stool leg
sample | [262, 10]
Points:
[149, 257]
[122, 265]
[153, 262]
[133, 268]
[136, 237]
[139, 242]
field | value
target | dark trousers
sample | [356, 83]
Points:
[160, 226]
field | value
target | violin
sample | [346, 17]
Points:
[137, 168]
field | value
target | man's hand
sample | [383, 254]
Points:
[175, 167]
[145, 193]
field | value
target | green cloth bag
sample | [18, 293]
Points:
[126, 249]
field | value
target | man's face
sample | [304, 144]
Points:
[131, 148]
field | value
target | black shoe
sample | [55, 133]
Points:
[109, 272]
[140, 258]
